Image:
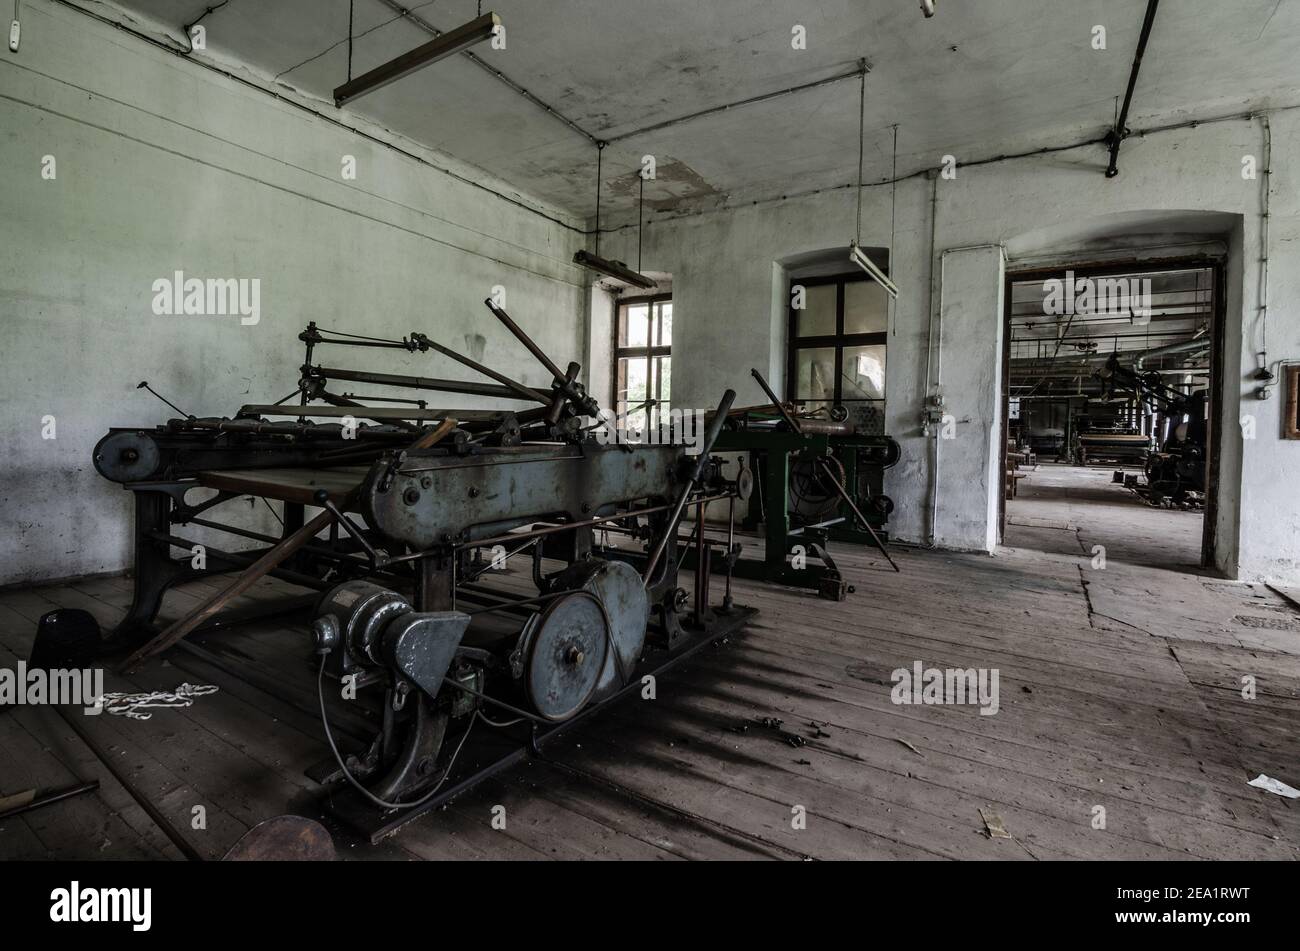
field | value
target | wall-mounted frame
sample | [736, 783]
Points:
[1291, 424]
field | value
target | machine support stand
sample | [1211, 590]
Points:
[435, 581]
[154, 570]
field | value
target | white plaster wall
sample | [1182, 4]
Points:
[163, 165]
[722, 267]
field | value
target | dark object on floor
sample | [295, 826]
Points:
[67, 638]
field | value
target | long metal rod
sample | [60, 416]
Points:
[53, 796]
[830, 476]
[1118, 134]
[710, 437]
[467, 387]
[526, 340]
[525, 392]
[273, 557]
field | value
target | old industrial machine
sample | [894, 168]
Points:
[1112, 444]
[417, 507]
[1175, 473]
[815, 479]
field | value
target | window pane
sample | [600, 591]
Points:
[634, 330]
[866, 308]
[631, 390]
[815, 374]
[664, 380]
[665, 325]
[817, 319]
[864, 373]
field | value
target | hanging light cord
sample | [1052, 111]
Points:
[893, 206]
[862, 113]
[640, 220]
[600, 151]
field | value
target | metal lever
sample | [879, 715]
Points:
[377, 559]
[523, 392]
[574, 391]
[710, 437]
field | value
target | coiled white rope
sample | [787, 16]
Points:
[132, 704]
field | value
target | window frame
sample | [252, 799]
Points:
[648, 352]
[838, 340]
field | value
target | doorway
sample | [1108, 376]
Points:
[1111, 401]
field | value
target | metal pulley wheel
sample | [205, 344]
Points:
[127, 457]
[744, 483]
[882, 505]
[566, 655]
[627, 606]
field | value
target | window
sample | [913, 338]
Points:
[643, 337]
[837, 344]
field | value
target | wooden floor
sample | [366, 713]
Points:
[1120, 688]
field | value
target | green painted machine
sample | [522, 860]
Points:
[815, 480]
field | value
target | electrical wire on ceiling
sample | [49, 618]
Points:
[407, 15]
[190, 26]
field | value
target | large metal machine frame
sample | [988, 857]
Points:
[1176, 471]
[419, 504]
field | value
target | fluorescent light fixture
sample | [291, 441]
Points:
[440, 47]
[615, 269]
[858, 257]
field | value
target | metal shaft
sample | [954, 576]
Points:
[710, 437]
[526, 340]
[523, 392]
[466, 387]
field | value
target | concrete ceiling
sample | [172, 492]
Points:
[981, 78]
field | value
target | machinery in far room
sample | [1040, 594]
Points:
[1109, 444]
[420, 506]
[1175, 472]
